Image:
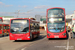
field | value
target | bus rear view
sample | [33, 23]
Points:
[56, 23]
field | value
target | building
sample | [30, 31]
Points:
[42, 20]
[37, 17]
[70, 19]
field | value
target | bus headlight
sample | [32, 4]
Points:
[64, 34]
[28, 37]
[48, 34]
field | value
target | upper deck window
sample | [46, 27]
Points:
[56, 12]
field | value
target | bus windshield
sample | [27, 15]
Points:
[56, 27]
[19, 26]
[56, 12]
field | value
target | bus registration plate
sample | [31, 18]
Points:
[19, 39]
[56, 36]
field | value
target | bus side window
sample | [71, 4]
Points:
[37, 26]
[3, 27]
[7, 27]
[31, 26]
[34, 26]
[34, 23]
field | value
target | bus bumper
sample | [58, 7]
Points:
[56, 36]
[17, 38]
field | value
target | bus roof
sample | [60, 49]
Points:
[55, 7]
[24, 18]
[32, 20]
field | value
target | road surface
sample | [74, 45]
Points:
[41, 43]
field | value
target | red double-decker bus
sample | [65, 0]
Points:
[23, 29]
[56, 23]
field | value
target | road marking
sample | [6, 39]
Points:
[60, 46]
[32, 44]
[67, 47]
[67, 44]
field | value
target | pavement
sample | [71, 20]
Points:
[40, 43]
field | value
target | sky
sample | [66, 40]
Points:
[30, 8]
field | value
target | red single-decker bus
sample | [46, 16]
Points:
[23, 29]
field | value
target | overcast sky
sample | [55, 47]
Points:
[31, 8]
